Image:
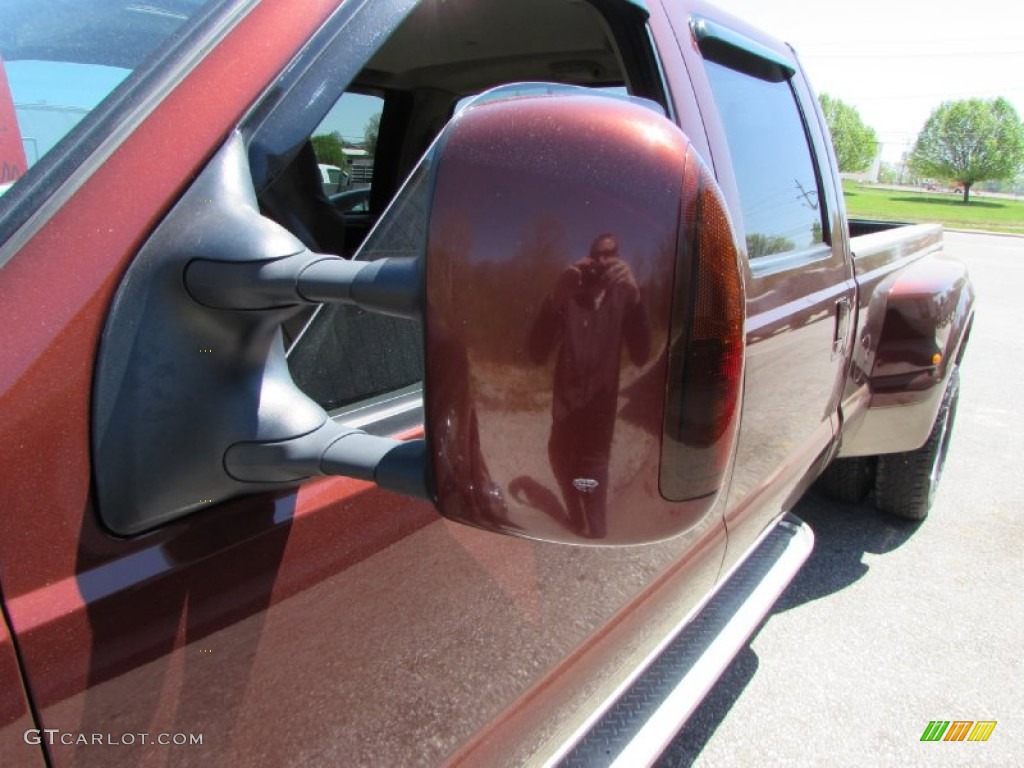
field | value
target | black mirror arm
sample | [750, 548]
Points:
[391, 285]
[333, 449]
[193, 401]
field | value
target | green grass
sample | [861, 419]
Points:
[982, 213]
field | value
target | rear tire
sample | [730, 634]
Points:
[905, 483]
[848, 480]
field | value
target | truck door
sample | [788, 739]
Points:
[330, 623]
[771, 160]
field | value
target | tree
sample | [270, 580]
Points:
[855, 143]
[759, 244]
[889, 173]
[969, 141]
[370, 134]
[328, 149]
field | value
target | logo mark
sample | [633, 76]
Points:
[585, 484]
[958, 730]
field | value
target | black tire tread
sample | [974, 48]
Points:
[903, 480]
[848, 480]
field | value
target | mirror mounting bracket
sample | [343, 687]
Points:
[193, 401]
[392, 285]
[333, 449]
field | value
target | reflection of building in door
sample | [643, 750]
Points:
[595, 309]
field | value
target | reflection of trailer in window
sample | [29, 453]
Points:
[360, 167]
[43, 125]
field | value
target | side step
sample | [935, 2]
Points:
[650, 712]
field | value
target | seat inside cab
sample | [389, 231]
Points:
[444, 53]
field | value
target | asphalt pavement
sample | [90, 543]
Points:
[891, 625]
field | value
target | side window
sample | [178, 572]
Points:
[371, 137]
[345, 143]
[344, 355]
[347, 355]
[60, 61]
[781, 201]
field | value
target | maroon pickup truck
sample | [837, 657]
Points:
[484, 459]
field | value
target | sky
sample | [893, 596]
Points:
[52, 97]
[896, 60]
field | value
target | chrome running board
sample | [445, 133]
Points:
[637, 727]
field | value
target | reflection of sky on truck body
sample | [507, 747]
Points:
[51, 97]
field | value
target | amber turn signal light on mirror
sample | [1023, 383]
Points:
[706, 346]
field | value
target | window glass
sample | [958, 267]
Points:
[346, 140]
[346, 355]
[46, 99]
[441, 55]
[60, 60]
[771, 157]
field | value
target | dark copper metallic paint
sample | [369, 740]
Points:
[277, 626]
[915, 304]
[575, 203]
[880, 260]
[537, 723]
[345, 625]
[88, 607]
[15, 717]
[926, 315]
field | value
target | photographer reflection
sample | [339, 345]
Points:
[595, 308]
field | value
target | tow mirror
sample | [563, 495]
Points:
[579, 284]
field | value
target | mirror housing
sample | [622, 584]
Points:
[584, 323]
[580, 288]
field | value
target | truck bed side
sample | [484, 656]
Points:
[915, 307]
